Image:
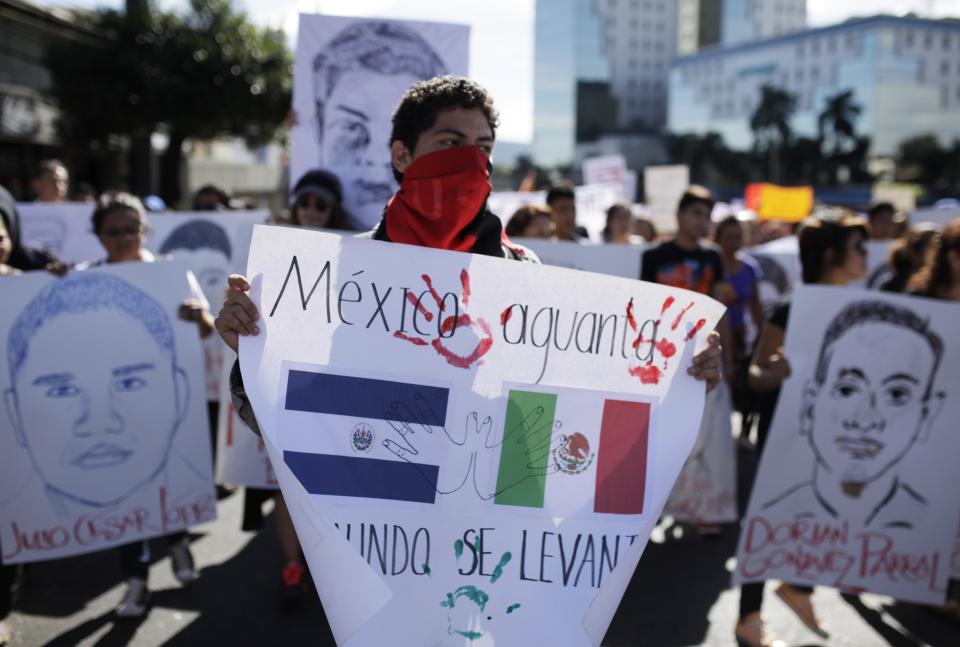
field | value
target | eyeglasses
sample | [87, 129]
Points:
[120, 232]
[320, 203]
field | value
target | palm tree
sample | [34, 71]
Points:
[770, 124]
[836, 124]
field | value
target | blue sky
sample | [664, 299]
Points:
[501, 43]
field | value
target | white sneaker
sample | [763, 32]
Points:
[134, 602]
[182, 562]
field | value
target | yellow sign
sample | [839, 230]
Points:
[772, 202]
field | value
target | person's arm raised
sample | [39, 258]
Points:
[239, 314]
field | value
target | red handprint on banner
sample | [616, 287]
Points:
[448, 324]
[662, 348]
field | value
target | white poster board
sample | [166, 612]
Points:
[592, 202]
[348, 77]
[939, 216]
[410, 399]
[614, 260]
[63, 228]
[662, 188]
[611, 169]
[856, 488]
[902, 197]
[104, 435]
[706, 491]
[242, 457]
[779, 262]
[213, 245]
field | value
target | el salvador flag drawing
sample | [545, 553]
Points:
[352, 407]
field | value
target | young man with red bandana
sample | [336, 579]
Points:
[444, 131]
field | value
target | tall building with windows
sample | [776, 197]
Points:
[599, 66]
[904, 73]
[748, 20]
[571, 78]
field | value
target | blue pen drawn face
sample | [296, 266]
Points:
[98, 425]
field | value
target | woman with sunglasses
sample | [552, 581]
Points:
[317, 201]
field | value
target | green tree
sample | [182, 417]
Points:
[201, 74]
[841, 148]
[923, 160]
[770, 123]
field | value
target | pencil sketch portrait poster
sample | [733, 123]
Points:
[104, 427]
[856, 487]
[349, 75]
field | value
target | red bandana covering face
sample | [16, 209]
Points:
[441, 194]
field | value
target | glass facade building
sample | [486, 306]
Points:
[571, 77]
[904, 73]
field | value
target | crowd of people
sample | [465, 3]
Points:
[703, 254]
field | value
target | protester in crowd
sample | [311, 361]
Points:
[531, 221]
[84, 192]
[742, 275]
[645, 229]
[939, 278]
[562, 203]
[905, 257]
[832, 252]
[443, 134]
[619, 225]
[24, 257]
[6, 248]
[120, 225]
[51, 181]
[882, 221]
[210, 197]
[317, 201]
[685, 261]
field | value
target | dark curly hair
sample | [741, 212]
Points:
[936, 277]
[424, 101]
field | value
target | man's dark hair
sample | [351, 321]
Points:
[424, 101]
[198, 234]
[560, 191]
[523, 216]
[865, 312]
[49, 166]
[212, 189]
[695, 194]
[827, 231]
[115, 201]
[375, 46]
[880, 208]
[729, 221]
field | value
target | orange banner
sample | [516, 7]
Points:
[772, 202]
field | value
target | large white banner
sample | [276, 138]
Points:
[706, 491]
[857, 485]
[472, 449]
[348, 77]
[615, 260]
[592, 202]
[104, 434]
[212, 244]
[63, 228]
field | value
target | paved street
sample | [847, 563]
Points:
[680, 595]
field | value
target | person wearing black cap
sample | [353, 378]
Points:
[317, 201]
